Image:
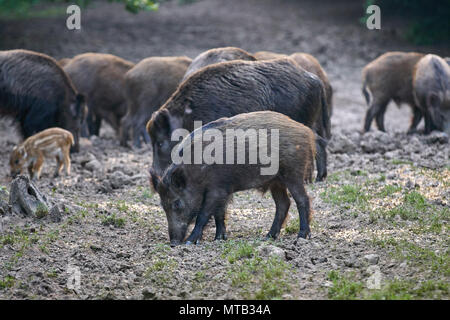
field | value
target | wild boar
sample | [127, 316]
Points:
[148, 85]
[389, 77]
[215, 56]
[229, 88]
[200, 191]
[309, 63]
[431, 87]
[38, 94]
[101, 79]
[52, 142]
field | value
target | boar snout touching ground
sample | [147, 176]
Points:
[432, 92]
[30, 155]
[389, 77]
[201, 190]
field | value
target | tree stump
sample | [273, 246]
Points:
[26, 199]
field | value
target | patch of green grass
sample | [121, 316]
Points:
[122, 206]
[7, 282]
[388, 190]
[114, 220]
[41, 211]
[256, 277]
[343, 288]
[411, 289]
[236, 250]
[401, 162]
[161, 270]
[293, 226]
[345, 196]
[417, 256]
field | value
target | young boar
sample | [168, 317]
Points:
[309, 63]
[389, 77]
[200, 191]
[39, 94]
[431, 87]
[215, 56]
[53, 142]
[101, 79]
[230, 88]
[148, 85]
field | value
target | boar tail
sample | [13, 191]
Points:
[366, 93]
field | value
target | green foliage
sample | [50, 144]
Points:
[429, 21]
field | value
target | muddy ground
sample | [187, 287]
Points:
[380, 226]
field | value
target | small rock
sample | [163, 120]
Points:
[55, 214]
[94, 166]
[148, 293]
[118, 179]
[271, 251]
[372, 258]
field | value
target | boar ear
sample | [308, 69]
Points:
[155, 180]
[178, 179]
[161, 122]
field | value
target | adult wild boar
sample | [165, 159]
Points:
[431, 87]
[148, 85]
[389, 77]
[101, 79]
[39, 94]
[309, 63]
[200, 191]
[230, 88]
[215, 56]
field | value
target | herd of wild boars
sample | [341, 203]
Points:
[38, 94]
[419, 80]
[221, 89]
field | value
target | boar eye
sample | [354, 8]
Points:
[177, 205]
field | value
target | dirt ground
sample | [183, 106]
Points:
[380, 225]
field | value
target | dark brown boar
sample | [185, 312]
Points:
[148, 85]
[217, 55]
[309, 63]
[101, 79]
[389, 77]
[431, 87]
[230, 88]
[200, 191]
[39, 94]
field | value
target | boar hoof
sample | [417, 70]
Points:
[188, 243]
[304, 234]
[269, 237]
[221, 237]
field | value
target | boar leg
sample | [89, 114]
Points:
[321, 158]
[67, 161]
[215, 205]
[59, 166]
[417, 116]
[37, 167]
[298, 192]
[282, 204]
[380, 118]
[373, 111]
